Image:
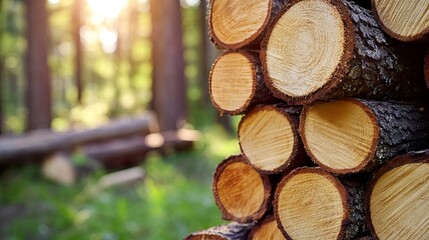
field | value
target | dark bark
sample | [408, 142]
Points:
[254, 41]
[38, 89]
[415, 157]
[426, 69]
[298, 156]
[14, 150]
[352, 194]
[168, 85]
[372, 65]
[226, 213]
[400, 127]
[230, 231]
[260, 93]
[77, 23]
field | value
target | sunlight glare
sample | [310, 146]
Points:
[108, 40]
[189, 3]
[106, 8]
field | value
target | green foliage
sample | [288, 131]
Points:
[174, 199]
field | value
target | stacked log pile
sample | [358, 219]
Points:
[336, 123]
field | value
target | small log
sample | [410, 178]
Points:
[242, 194]
[60, 168]
[404, 20]
[236, 82]
[354, 135]
[40, 143]
[398, 198]
[233, 24]
[266, 229]
[269, 139]
[323, 49]
[121, 178]
[311, 203]
[230, 231]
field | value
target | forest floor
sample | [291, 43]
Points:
[173, 200]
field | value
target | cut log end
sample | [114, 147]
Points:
[232, 82]
[311, 204]
[241, 192]
[403, 20]
[399, 199]
[266, 229]
[230, 231]
[268, 138]
[340, 136]
[231, 29]
[312, 35]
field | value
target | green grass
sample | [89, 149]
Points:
[174, 199]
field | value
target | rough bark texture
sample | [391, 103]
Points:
[411, 157]
[168, 85]
[38, 80]
[298, 156]
[352, 192]
[226, 213]
[402, 127]
[254, 41]
[372, 65]
[260, 92]
[230, 231]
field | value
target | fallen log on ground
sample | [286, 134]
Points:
[42, 143]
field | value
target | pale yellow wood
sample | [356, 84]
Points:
[399, 203]
[310, 207]
[268, 231]
[240, 189]
[59, 168]
[231, 22]
[266, 139]
[305, 47]
[405, 18]
[339, 134]
[232, 81]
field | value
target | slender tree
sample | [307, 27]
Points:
[38, 87]
[168, 86]
[77, 23]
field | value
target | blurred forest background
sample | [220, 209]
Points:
[102, 62]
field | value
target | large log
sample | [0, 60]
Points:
[266, 229]
[236, 82]
[45, 142]
[269, 139]
[353, 135]
[398, 198]
[322, 49]
[230, 231]
[311, 203]
[233, 24]
[242, 194]
[403, 20]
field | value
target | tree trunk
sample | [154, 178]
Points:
[404, 20]
[45, 142]
[168, 85]
[397, 200]
[38, 89]
[77, 23]
[230, 231]
[269, 139]
[322, 206]
[230, 26]
[363, 134]
[318, 50]
[236, 83]
[266, 229]
[241, 193]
